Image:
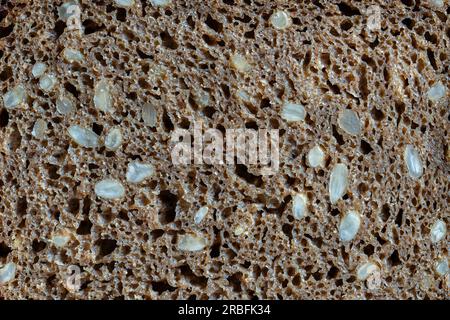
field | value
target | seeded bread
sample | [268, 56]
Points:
[357, 210]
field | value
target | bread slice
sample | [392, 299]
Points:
[92, 205]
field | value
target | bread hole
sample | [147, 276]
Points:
[348, 10]
[192, 278]
[380, 240]
[315, 241]
[369, 61]
[4, 118]
[332, 273]
[58, 28]
[399, 218]
[73, 205]
[209, 112]
[225, 90]
[385, 212]
[363, 88]
[143, 55]
[400, 108]
[251, 125]
[307, 59]
[394, 259]
[162, 286]
[38, 245]
[214, 24]
[97, 128]
[51, 281]
[430, 55]
[365, 147]
[190, 21]
[84, 228]
[287, 230]
[339, 138]
[209, 40]
[377, 115]
[156, 234]
[4, 250]
[333, 87]
[121, 14]
[408, 3]
[409, 23]
[242, 171]
[86, 205]
[229, 2]
[6, 73]
[72, 89]
[100, 59]
[123, 215]
[169, 202]
[250, 34]
[235, 281]
[85, 284]
[168, 41]
[167, 122]
[52, 170]
[184, 123]
[3, 13]
[346, 25]
[105, 247]
[91, 26]
[369, 250]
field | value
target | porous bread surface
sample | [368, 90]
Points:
[327, 59]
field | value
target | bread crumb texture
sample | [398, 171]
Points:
[357, 210]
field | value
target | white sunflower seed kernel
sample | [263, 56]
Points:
[110, 189]
[191, 242]
[366, 269]
[60, 239]
[124, 3]
[316, 157]
[349, 226]
[84, 137]
[413, 162]
[71, 55]
[65, 11]
[38, 69]
[160, 3]
[138, 172]
[338, 182]
[438, 231]
[202, 98]
[102, 96]
[113, 139]
[437, 92]
[280, 20]
[149, 114]
[240, 63]
[39, 128]
[200, 214]
[293, 112]
[64, 105]
[349, 122]
[442, 266]
[14, 97]
[47, 82]
[299, 206]
[7, 272]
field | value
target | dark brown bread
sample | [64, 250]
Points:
[329, 58]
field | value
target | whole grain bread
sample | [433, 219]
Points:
[148, 67]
